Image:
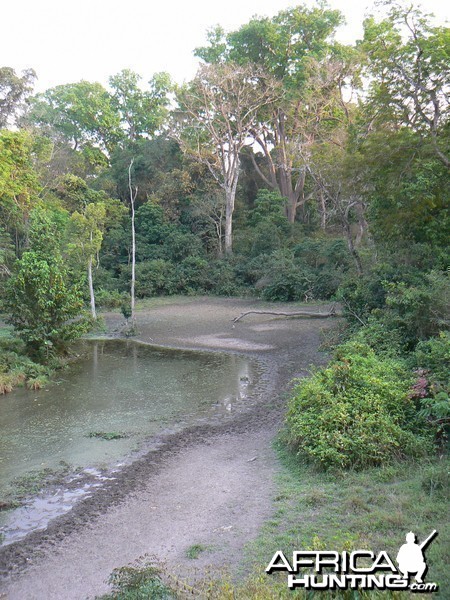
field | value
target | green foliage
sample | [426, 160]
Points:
[313, 270]
[436, 408]
[404, 50]
[222, 278]
[83, 113]
[355, 413]
[43, 304]
[13, 91]
[125, 309]
[108, 435]
[406, 305]
[141, 112]
[413, 209]
[192, 275]
[434, 355]
[269, 207]
[417, 312]
[278, 44]
[194, 551]
[139, 581]
[7, 255]
[155, 277]
[19, 184]
[109, 298]
[436, 481]
[158, 238]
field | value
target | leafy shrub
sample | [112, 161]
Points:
[305, 273]
[179, 245]
[17, 369]
[356, 412]
[222, 278]
[109, 298]
[416, 311]
[138, 581]
[155, 278]
[264, 239]
[192, 275]
[432, 387]
[408, 311]
[269, 208]
[434, 355]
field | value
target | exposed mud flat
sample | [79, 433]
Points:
[210, 484]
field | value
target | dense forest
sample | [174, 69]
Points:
[292, 167]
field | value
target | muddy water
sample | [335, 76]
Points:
[120, 387]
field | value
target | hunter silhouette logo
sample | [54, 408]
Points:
[360, 569]
[410, 557]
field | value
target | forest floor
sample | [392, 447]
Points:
[197, 500]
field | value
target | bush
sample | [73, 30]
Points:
[17, 369]
[222, 278]
[356, 412]
[192, 275]
[155, 278]
[431, 390]
[434, 355]
[109, 299]
[407, 311]
[138, 581]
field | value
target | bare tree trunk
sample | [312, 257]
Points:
[351, 246]
[133, 194]
[323, 210]
[230, 194]
[229, 224]
[91, 289]
[133, 260]
[362, 224]
[218, 225]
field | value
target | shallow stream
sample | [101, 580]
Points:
[115, 387]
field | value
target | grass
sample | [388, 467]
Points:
[371, 509]
[108, 435]
[195, 550]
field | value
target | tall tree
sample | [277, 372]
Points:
[218, 112]
[82, 113]
[43, 304]
[408, 64]
[142, 111]
[86, 230]
[286, 46]
[14, 90]
[19, 184]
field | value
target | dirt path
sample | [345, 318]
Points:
[211, 485]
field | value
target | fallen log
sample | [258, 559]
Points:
[300, 313]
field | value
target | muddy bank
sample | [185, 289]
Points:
[208, 485]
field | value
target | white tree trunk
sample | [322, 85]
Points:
[230, 194]
[133, 260]
[133, 195]
[229, 224]
[91, 289]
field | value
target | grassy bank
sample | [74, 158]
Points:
[371, 509]
[16, 369]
